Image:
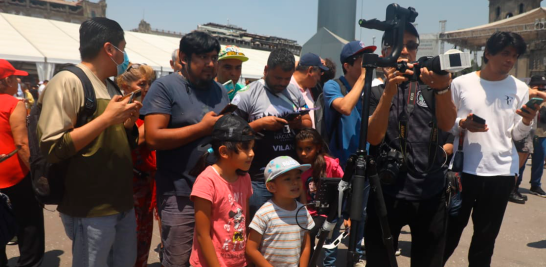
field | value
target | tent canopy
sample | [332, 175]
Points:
[40, 40]
[524, 24]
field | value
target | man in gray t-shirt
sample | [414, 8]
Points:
[269, 106]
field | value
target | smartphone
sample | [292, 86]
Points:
[531, 103]
[229, 108]
[478, 119]
[132, 95]
[10, 154]
[291, 116]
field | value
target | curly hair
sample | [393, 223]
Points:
[135, 74]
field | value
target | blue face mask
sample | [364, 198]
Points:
[122, 68]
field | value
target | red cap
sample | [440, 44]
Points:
[6, 70]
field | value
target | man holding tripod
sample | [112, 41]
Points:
[404, 120]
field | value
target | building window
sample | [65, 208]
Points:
[498, 12]
[93, 14]
[509, 15]
[521, 8]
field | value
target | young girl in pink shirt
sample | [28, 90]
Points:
[312, 149]
[220, 195]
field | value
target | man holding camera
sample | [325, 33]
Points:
[406, 126]
[491, 162]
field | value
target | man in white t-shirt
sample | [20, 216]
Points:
[490, 161]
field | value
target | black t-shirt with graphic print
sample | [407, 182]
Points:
[420, 181]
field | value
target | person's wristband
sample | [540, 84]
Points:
[443, 91]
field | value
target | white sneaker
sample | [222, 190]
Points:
[360, 263]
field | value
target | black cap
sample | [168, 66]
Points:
[537, 80]
[230, 128]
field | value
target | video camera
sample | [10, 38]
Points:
[452, 61]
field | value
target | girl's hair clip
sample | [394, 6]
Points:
[210, 150]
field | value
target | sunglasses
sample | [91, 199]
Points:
[411, 46]
[135, 66]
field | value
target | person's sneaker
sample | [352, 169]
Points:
[520, 195]
[514, 197]
[537, 190]
[398, 252]
[360, 263]
[13, 241]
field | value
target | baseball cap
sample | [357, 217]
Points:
[311, 59]
[232, 52]
[537, 80]
[6, 70]
[282, 164]
[231, 127]
[353, 48]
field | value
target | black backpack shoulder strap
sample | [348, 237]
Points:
[90, 102]
[115, 86]
[341, 86]
[430, 100]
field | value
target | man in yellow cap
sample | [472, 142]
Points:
[230, 66]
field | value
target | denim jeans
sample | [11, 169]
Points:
[537, 161]
[107, 241]
[259, 196]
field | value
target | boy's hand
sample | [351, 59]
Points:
[119, 111]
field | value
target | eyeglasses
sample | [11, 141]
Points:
[135, 66]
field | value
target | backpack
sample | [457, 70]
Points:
[48, 178]
[320, 119]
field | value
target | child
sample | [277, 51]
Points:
[220, 195]
[312, 149]
[276, 238]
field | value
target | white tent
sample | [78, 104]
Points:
[49, 42]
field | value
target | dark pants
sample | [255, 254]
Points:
[486, 199]
[30, 219]
[426, 220]
[177, 225]
[260, 195]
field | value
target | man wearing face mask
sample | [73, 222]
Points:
[271, 107]
[97, 206]
[179, 112]
[415, 195]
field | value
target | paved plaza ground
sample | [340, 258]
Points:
[521, 242]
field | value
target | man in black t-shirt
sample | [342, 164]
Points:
[179, 112]
[416, 195]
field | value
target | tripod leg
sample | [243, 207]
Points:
[381, 210]
[359, 181]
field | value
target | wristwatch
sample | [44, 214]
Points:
[443, 91]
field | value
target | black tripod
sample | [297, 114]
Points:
[361, 165]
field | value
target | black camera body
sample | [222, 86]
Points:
[327, 190]
[431, 63]
[390, 164]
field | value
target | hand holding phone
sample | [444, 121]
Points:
[478, 119]
[291, 116]
[228, 109]
[132, 96]
[532, 102]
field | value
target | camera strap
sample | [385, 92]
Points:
[461, 141]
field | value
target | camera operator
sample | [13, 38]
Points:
[415, 196]
[491, 162]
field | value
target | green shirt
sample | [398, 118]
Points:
[99, 179]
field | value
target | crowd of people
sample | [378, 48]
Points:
[230, 171]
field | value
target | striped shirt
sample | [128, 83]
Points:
[281, 236]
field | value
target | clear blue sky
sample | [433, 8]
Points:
[293, 19]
